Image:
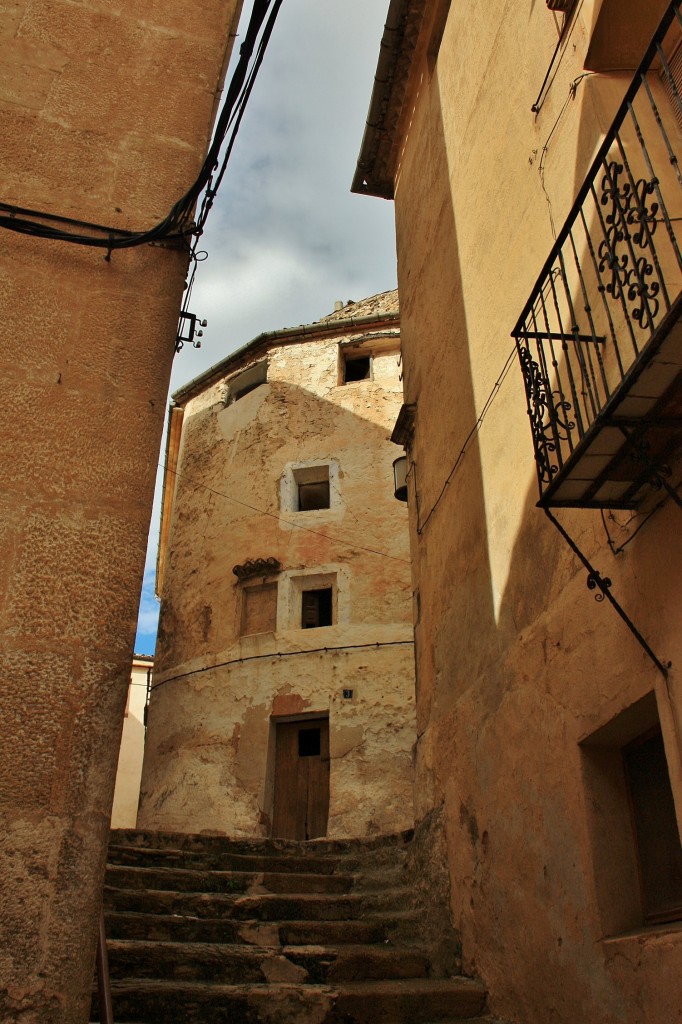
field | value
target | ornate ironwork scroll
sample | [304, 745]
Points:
[548, 412]
[630, 273]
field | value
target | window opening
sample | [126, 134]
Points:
[316, 608]
[307, 487]
[356, 368]
[309, 743]
[247, 381]
[654, 825]
[313, 495]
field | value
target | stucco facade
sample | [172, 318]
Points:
[529, 694]
[298, 418]
[131, 753]
[106, 111]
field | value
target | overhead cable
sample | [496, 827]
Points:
[177, 224]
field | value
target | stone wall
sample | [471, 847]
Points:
[221, 686]
[517, 666]
[106, 111]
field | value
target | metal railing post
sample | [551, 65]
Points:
[106, 1010]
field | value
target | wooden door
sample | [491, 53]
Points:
[301, 805]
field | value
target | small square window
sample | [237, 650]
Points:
[314, 495]
[316, 608]
[356, 368]
[247, 381]
[312, 488]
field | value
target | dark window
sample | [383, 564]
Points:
[309, 743]
[655, 827]
[316, 608]
[245, 389]
[312, 487]
[356, 368]
[313, 495]
[247, 381]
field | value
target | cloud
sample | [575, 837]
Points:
[285, 237]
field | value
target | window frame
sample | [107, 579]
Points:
[329, 589]
[356, 357]
[313, 470]
[247, 587]
[252, 377]
[615, 860]
[644, 867]
[295, 581]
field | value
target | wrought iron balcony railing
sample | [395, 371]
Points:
[599, 339]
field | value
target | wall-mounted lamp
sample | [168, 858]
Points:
[400, 478]
[187, 331]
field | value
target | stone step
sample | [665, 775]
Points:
[356, 850]
[216, 930]
[406, 1001]
[263, 907]
[390, 876]
[143, 856]
[189, 880]
[376, 928]
[238, 964]
[176, 928]
[444, 1020]
[410, 1001]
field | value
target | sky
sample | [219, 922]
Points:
[286, 238]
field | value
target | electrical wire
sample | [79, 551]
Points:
[609, 538]
[235, 119]
[618, 549]
[474, 430]
[563, 40]
[235, 105]
[281, 654]
[177, 224]
[572, 89]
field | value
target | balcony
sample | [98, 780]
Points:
[600, 338]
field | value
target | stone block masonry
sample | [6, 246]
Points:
[105, 111]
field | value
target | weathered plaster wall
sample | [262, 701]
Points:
[105, 111]
[131, 752]
[210, 756]
[210, 747]
[516, 663]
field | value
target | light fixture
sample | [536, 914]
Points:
[400, 478]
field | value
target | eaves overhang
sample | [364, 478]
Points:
[412, 32]
[287, 335]
[374, 172]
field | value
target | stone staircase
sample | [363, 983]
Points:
[209, 930]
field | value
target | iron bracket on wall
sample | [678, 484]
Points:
[188, 332]
[658, 472]
[595, 581]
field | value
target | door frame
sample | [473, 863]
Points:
[269, 784]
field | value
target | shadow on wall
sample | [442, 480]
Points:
[227, 510]
[504, 700]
